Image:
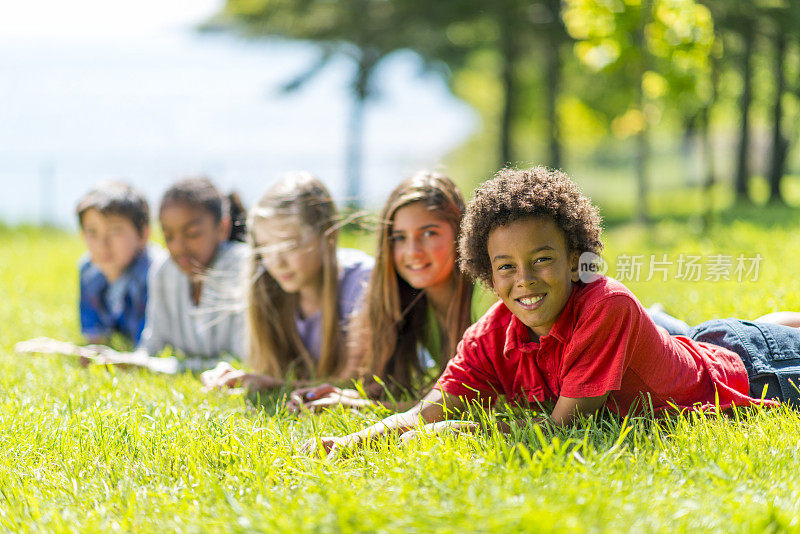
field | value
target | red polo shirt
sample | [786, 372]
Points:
[603, 341]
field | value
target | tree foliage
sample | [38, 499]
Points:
[621, 68]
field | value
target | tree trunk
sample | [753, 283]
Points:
[552, 84]
[556, 35]
[689, 146]
[642, 160]
[742, 177]
[509, 51]
[780, 145]
[642, 138]
[355, 127]
[355, 130]
[708, 149]
[710, 172]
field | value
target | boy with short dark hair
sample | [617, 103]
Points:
[557, 340]
[115, 224]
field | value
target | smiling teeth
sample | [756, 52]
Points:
[530, 301]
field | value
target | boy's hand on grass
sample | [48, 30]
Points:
[441, 427]
[332, 446]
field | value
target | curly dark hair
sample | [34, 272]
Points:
[514, 194]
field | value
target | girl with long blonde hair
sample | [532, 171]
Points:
[302, 289]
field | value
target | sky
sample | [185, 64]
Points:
[82, 19]
[93, 90]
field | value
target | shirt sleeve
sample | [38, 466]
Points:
[90, 321]
[91, 325]
[601, 348]
[353, 313]
[156, 323]
[150, 261]
[470, 374]
[353, 286]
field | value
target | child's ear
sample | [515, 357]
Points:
[574, 262]
[145, 234]
[224, 228]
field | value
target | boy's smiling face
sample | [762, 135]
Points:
[112, 240]
[533, 270]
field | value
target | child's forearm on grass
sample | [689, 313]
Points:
[428, 410]
[397, 423]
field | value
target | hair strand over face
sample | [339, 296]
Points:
[276, 348]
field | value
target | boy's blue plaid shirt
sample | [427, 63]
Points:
[97, 319]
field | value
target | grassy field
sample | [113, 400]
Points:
[90, 449]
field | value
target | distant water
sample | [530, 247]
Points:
[76, 112]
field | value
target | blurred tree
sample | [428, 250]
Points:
[454, 32]
[544, 65]
[737, 21]
[363, 30]
[447, 34]
[649, 56]
[703, 120]
[784, 27]
[638, 62]
[753, 31]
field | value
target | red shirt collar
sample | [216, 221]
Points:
[517, 334]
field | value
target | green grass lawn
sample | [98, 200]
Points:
[88, 449]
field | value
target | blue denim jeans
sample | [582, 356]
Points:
[770, 352]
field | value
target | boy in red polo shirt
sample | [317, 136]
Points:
[554, 339]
